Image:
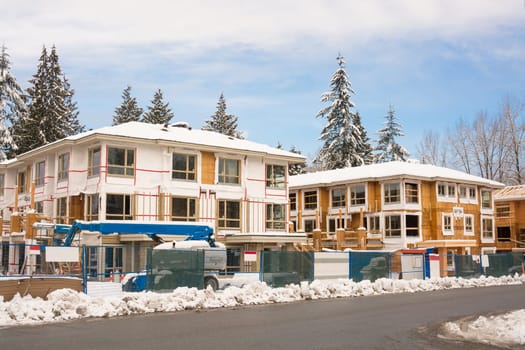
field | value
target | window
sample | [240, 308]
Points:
[275, 217]
[411, 193]
[21, 182]
[392, 226]
[275, 176]
[94, 161]
[229, 171]
[183, 209]
[309, 225]
[2, 184]
[446, 224]
[310, 200]
[467, 193]
[61, 210]
[39, 207]
[92, 207]
[183, 167]
[357, 195]
[121, 161]
[391, 193]
[63, 166]
[504, 234]
[118, 207]
[40, 173]
[486, 199]
[469, 224]
[292, 198]
[374, 224]
[446, 192]
[112, 260]
[229, 214]
[412, 225]
[338, 198]
[503, 212]
[487, 229]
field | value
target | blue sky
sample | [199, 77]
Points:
[433, 61]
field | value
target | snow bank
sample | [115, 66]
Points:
[66, 304]
[507, 330]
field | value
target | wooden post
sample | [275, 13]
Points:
[32, 202]
[340, 234]
[443, 266]
[317, 240]
[361, 238]
[30, 220]
[317, 223]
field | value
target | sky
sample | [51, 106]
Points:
[108, 300]
[433, 61]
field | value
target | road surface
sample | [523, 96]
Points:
[396, 321]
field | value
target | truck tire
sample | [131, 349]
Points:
[211, 281]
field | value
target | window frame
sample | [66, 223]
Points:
[388, 197]
[412, 229]
[189, 174]
[447, 224]
[341, 202]
[127, 205]
[355, 200]
[63, 166]
[374, 224]
[483, 202]
[292, 203]
[388, 223]
[273, 179]
[466, 231]
[223, 176]
[128, 166]
[484, 238]
[92, 206]
[190, 209]
[273, 223]
[308, 205]
[446, 192]
[411, 193]
[61, 210]
[40, 173]
[469, 195]
[21, 182]
[223, 220]
[93, 168]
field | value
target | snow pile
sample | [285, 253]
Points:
[502, 330]
[66, 304]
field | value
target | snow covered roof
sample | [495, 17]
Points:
[380, 171]
[510, 193]
[183, 134]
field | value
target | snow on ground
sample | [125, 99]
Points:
[505, 330]
[66, 304]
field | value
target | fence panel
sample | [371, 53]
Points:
[503, 264]
[369, 265]
[279, 268]
[330, 265]
[175, 268]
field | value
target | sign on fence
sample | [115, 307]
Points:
[62, 254]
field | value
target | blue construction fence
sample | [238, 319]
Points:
[169, 269]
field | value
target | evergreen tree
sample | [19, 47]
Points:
[342, 138]
[29, 131]
[129, 110]
[365, 150]
[159, 112]
[223, 122]
[51, 113]
[297, 168]
[387, 148]
[72, 123]
[12, 105]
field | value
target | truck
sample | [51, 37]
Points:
[198, 236]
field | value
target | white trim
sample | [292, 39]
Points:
[487, 240]
[465, 232]
[443, 230]
[468, 199]
[447, 197]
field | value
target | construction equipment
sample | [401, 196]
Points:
[197, 236]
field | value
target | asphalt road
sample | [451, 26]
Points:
[398, 321]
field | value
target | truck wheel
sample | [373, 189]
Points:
[211, 281]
